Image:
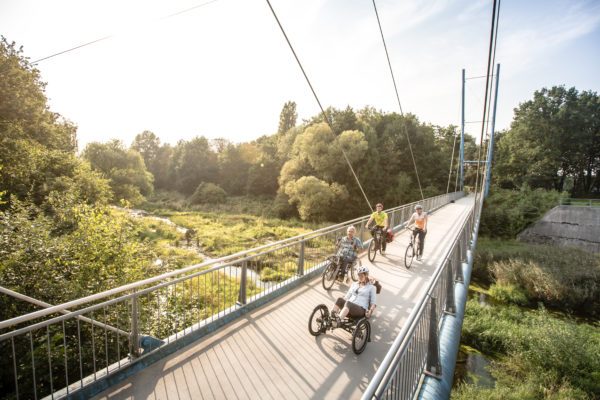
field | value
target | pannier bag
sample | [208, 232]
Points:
[390, 236]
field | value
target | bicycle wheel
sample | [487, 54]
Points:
[360, 337]
[409, 255]
[353, 269]
[372, 250]
[317, 320]
[329, 275]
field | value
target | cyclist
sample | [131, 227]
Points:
[381, 222]
[348, 248]
[359, 301]
[419, 219]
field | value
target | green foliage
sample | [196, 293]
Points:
[288, 117]
[565, 278]
[129, 179]
[161, 238]
[315, 198]
[507, 212]
[539, 356]
[553, 138]
[38, 146]
[192, 163]
[208, 193]
[508, 293]
[224, 234]
[98, 252]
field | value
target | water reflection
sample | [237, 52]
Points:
[472, 368]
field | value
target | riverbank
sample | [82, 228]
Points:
[529, 330]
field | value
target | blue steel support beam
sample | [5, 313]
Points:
[488, 175]
[438, 389]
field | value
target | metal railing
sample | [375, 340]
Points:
[416, 349]
[579, 202]
[61, 349]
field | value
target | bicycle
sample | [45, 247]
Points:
[375, 245]
[360, 328]
[410, 250]
[333, 271]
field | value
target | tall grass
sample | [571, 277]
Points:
[538, 356]
[564, 278]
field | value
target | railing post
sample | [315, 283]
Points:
[433, 367]
[301, 259]
[242, 297]
[135, 333]
[458, 272]
[450, 307]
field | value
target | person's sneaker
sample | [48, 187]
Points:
[383, 252]
[335, 321]
[419, 258]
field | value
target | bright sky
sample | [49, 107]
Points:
[224, 69]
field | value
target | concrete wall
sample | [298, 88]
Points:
[567, 226]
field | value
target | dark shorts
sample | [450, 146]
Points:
[356, 311]
[383, 236]
[421, 234]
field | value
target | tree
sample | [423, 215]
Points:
[192, 163]
[208, 193]
[287, 118]
[553, 137]
[148, 145]
[315, 198]
[129, 179]
[38, 146]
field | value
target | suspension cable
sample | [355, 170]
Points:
[398, 98]
[325, 117]
[110, 36]
[451, 162]
[492, 95]
[491, 50]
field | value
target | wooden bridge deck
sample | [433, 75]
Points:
[269, 354]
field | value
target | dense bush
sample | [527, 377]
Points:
[508, 293]
[99, 251]
[208, 192]
[508, 212]
[538, 356]
[565, 278]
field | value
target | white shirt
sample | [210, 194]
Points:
[363, 296]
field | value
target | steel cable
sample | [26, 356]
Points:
[325, 117]
[398, 98]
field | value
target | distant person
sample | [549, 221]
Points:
[348, 248]
[381, 223]
[419, 219]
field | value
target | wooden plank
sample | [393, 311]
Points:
[269, 354]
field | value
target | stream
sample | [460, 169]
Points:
[471, 365]
[252, 276]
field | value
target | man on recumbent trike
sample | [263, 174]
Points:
[351, 312]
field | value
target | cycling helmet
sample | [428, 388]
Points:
[418, 206]
[363, 270]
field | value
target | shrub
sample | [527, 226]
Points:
[565, 278]
[508, 212]
[508, 293]
[539, 356]
[208, 192]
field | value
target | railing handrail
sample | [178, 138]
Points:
[134, 285]
[564, 200]
[394, 350]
